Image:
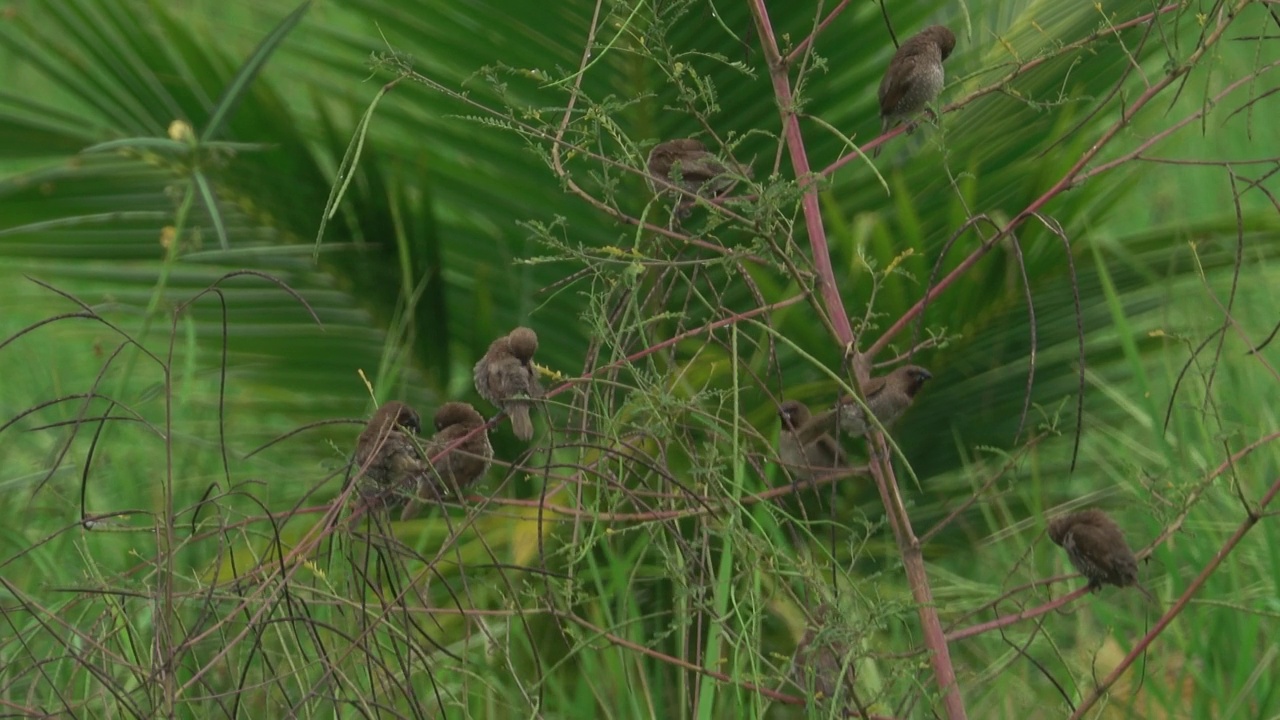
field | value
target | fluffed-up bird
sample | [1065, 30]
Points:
[914, 77]
[459, 466]
[888, 396]
[505, 376]
[387, 453]
[804, 444]
[447, 468]
[687, 164]
[1096, 546]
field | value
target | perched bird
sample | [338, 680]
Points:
[687, 164]
[386, 452]
[888, 396]
[459, 466]
[446, 469]
[823, 661]
[505, 376]
[914, 77]
[804, 445]
[1097, 548]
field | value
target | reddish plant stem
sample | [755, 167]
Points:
[1144, 644]
[1007, 620]
[908, 544]
[1225, 465]
[730, 320]
[917, 579]
[804, 44]
[1065, 182]
[1136, 153]
[800, 163]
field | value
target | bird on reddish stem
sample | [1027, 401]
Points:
[506, 377]
[387, 452]
[914, 77]
[450, 468]
[1096, 547]
[462, 465]
[805, 446]
[888, 396]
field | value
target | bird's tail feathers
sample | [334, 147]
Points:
[521, 423]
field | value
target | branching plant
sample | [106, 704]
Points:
[652, 552]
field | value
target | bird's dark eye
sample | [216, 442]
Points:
[410, 421]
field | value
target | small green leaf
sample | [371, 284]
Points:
[240, 83]
[211, 203]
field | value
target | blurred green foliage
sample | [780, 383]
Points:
[118, 185]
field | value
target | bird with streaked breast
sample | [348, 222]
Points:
[1096, 547]
[460, 466]
[914, 76]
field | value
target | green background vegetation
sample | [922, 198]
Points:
[453, 229]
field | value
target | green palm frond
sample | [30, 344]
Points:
[150, 153]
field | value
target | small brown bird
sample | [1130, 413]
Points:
[462, 465]
[888, 396]
[804, 445]
[387, 453]
[914, 77]
[505, 376]
[441, 476]
[823, 661]
[1097, 548]
[687, 164]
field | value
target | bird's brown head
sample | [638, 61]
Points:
[911, 378]
[1095, 517]
[794, 414]
[1092, 517]
[681, 146]
[941, 36]
[397, 412]
[523, 343]
[664, 155]
[456, 413]
[1060, 526]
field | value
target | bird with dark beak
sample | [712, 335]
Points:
[805, 446]
[888, 396]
